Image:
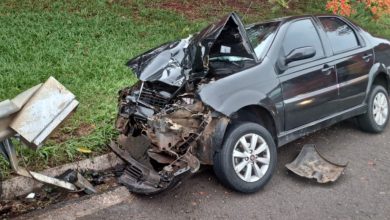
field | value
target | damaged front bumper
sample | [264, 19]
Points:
[164, 137]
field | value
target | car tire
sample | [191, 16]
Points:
[377, 115]
[238, 150]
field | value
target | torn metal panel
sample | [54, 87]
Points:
[174, 63]
[14, 162]
[311, 164]
[43, 112]
[74, 177]
[165, 62]
[211, 140]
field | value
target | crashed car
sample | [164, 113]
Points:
[231, 94]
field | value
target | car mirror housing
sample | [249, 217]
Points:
[300, 54]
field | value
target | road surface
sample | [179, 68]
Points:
[362, 192]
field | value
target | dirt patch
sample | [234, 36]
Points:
[62, 135]
[84, 129]
[201, 9]
[49, 195]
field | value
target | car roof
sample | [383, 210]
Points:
[290, 18]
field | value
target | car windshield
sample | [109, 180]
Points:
[261, 35]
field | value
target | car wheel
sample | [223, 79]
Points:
[377, 116]
[247, 159]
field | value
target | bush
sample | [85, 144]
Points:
[368, 8]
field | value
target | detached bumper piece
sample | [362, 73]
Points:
[139, 178]
[311, 164]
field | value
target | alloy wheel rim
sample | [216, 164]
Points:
[380, 110]
[251, 157]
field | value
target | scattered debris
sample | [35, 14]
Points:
[48, 195]
[32, 116]
[84, 150]
[311, 164]
[74, 177]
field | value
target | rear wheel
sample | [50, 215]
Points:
[247, 159]
[377, 116]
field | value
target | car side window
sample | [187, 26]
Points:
[341, 36]
[302, 33]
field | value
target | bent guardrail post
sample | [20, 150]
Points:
[33, 115]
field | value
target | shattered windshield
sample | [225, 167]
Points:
[261, 35]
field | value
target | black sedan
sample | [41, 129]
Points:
[229, 95]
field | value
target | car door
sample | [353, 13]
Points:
[353, 61]
[309, 86]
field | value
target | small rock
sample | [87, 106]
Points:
[371, 163]
[202, 193]
[30, 196]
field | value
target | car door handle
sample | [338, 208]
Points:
[327, 69]
[367, 57]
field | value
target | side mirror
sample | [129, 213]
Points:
[300, 54]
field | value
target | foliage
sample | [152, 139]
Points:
[373, 8]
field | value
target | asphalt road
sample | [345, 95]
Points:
[362, 192]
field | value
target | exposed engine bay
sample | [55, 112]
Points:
[166, 130]
[170, 137]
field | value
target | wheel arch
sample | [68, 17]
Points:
[382, 79]
[256, 114]
[379, 75]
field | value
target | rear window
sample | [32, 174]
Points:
[341, 36]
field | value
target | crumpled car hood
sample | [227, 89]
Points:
[174, 62]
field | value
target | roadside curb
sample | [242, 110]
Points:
[84, 206]
[20, 185]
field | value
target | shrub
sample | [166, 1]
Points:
[372, 8]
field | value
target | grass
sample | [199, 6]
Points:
[85, 44]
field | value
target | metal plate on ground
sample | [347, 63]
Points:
[311, 164]
[46, 109]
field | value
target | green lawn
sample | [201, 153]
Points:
[85, 44]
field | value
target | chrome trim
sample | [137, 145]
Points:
[140, 91]
[353, 81]
[324, 90]
[310, 94]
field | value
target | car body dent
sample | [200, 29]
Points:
[172, 62]
[165, 63]
[227, 96]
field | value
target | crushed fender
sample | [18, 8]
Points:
[311, 164]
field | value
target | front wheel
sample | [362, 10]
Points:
[247, 159]
[377, 116]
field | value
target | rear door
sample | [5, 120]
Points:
[309, 86]
[352, 58]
